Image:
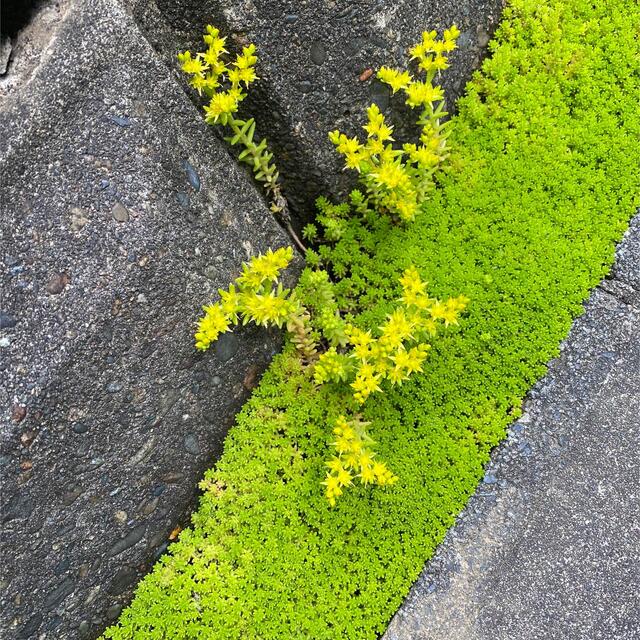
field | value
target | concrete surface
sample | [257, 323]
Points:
[121, 215]
[549, 546]
[315, 63]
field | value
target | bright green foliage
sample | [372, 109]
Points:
[397, 181]
[546, 175]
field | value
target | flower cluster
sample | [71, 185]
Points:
[354, 459]
[225, 83]
[398, 351]
[212, 74]
[397, 180]
[256, 297]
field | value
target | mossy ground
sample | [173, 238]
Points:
[546, 174]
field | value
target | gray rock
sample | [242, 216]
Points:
[552, 552]
[226, 347]
[120, 212]
[97, 374]
[314, 58]
[191, 444]
[7, 321]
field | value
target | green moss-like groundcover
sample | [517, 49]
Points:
[545, 178]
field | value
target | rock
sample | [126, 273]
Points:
[191, 444]
[192, 177]
[97, 372]
[30, 628]
[58, 594]
[80, 427]
[133, 537]
[7, 321]
[123, 579]
[120, 212]
[18, 414]
[113, 612]
[320, 78]
[226, 347]
[5, 54]
[57, 283]
[78, 219]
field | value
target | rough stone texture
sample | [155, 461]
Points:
[121, 215]
[549, 546]
[313, 56]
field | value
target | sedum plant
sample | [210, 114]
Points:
[397, 180]
[225, 84]
[335, 349]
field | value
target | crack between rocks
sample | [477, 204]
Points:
[619, 296]
[285, 224]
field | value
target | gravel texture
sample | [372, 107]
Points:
[316, 67]
[549, 546]
[121, 215]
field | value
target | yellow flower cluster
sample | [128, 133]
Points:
[430, 52]
[256, 297]
[397, 180]
[398, 351]
[354, 459]
[220, 80]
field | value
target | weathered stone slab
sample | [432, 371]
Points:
[315, 66]
[547, 548]
[121, 215]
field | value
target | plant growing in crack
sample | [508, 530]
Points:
[395, 181]
[225, 83]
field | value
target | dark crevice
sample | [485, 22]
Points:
[15, 15]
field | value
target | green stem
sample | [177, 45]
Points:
[258, 159]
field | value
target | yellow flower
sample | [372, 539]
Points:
[391, 175]
[366, 383]
[221, 103]
[247, 58]
[395, 79]
[405, 204]
[344, 477]
[265, 267]
[411, 281]
[198, 82]
[375, 147]
[267, 308]
[376, 127]
[422, 155]
[397, 328]
[334, 464]
[410, 361]
[212, 33]
[230, 301]
[367, 475]
[451, 34]
[191, 65]
[247, 75]
[210, 326]
[423, 93]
